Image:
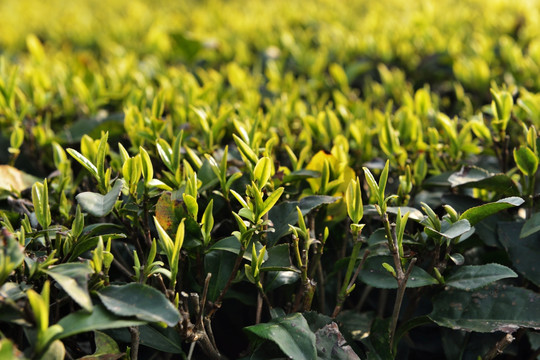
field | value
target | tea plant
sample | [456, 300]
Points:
[332, 180]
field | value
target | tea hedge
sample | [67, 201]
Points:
[254, 180]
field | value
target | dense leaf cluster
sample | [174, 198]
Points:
[312, 180]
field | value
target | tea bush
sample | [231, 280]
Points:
[254, 180]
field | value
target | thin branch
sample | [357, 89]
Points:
[134, 331]
[499, 347]
[258, 313]
[122, 268]
[402, 286]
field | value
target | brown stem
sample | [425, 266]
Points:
[258, 313]
[402, 286]
[499, 347]
[203, 300]
[134, 331]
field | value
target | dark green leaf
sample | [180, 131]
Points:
[357, 324]
[93, 127]
[285, 214]
[291, 333]
[531, 226]
[475, 177]
[475, 214]
[475, 276]
[230, 244]
[278, 258]
[375, 275]
[73, 278]
[162, 339]
[275, 279]
[100, 205]
[523, 252]
[89, 243]
[455, 230]
[378, 342]
[494, 308]
[301, 175]
[220, 264]
[141, 301]
[99, 319]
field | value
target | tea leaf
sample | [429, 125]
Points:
[291, 333]
[140, 301]
[524, 252]
[475, 276]
[476, 214]
[494, 308]
[531, 226]
[100, 205]
[99, 319]
[526, 160]
[84, 162]
[73, 278]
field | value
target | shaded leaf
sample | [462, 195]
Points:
[140, 301]
[275, 279]
[99, 319]
[357, 324]
[73, 278]
[285, 214]
[494, 308]
[379, 345]
[301, 175]
[475, 276]
[100, 205]
[374, 274]
[220, 264]
[162, 339]
[455, 230]
[523, 252]
[531, 226]
[278, 258]
[475, 177]
[291, 333]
